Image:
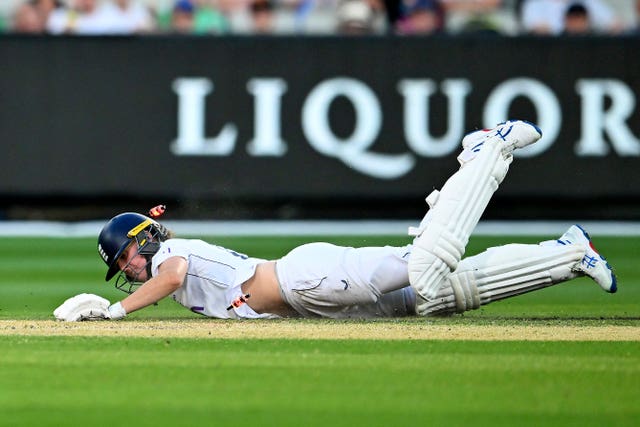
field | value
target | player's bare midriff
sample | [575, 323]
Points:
[264, 289]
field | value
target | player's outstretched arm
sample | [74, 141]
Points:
[84, 306]
[171, 274]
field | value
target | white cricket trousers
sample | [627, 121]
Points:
[325, 280]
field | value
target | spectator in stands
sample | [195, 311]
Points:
[208, 18]
[420, 17]
[195, 17]
[312, 16]
[546, 17]
[480, 16]
[133, 17]
[262, 16]
[355, 17]
[46, 7]
[84, 17]
[27, 19]
[183, 17]
[576, 20]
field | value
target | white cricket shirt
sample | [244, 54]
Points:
[213, 279]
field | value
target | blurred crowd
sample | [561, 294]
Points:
[341, 17]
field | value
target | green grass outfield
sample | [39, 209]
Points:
[158, 381]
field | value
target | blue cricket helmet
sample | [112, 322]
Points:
[124, 229]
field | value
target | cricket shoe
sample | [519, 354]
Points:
[592, 264]
[512, 134]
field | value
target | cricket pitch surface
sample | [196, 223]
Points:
[319, 329]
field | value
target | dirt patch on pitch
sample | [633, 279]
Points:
[292, 329]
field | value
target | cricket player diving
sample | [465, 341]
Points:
[427, 277]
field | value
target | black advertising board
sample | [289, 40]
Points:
[260, 118]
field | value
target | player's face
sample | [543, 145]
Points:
[133, 264]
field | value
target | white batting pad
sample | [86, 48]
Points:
[503, 272]
[462, 200]
[455, 211]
